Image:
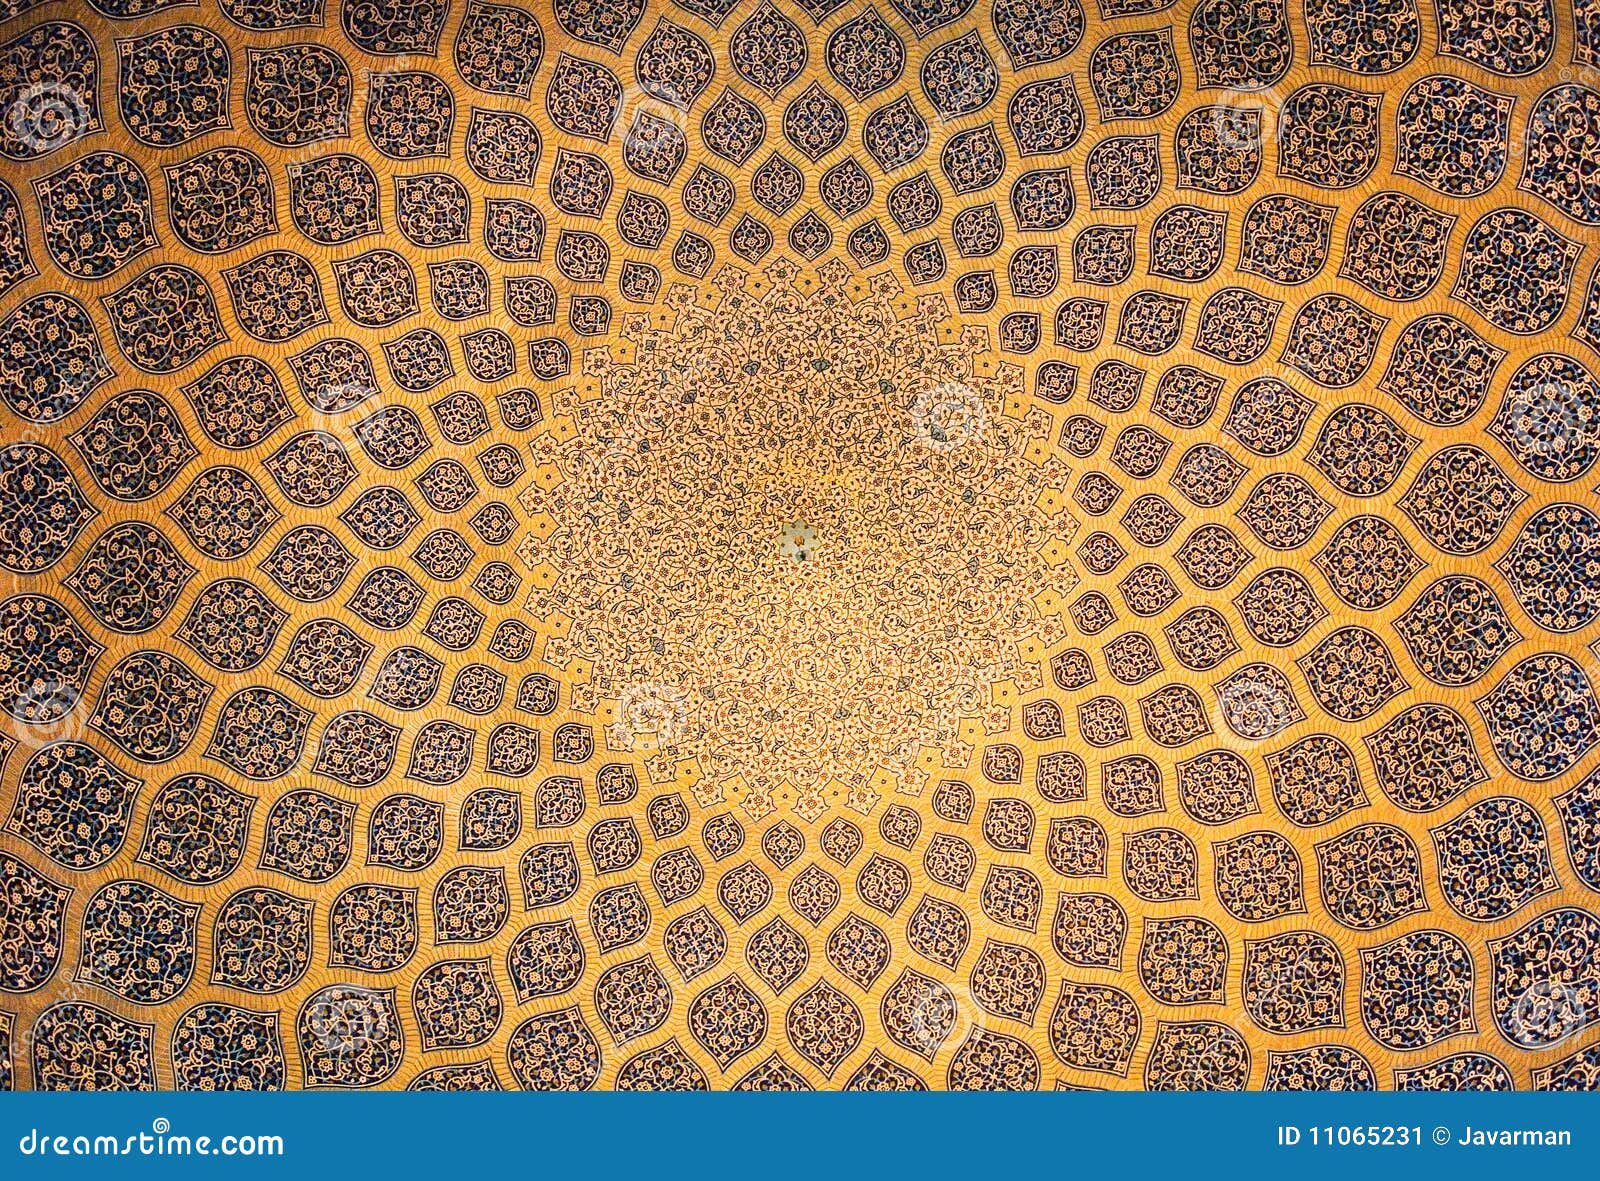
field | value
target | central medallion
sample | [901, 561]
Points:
[922, 540]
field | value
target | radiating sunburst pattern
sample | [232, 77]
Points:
[777, 544]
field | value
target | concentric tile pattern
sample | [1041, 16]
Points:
[710, 543]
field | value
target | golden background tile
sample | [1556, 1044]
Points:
[965, 544]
